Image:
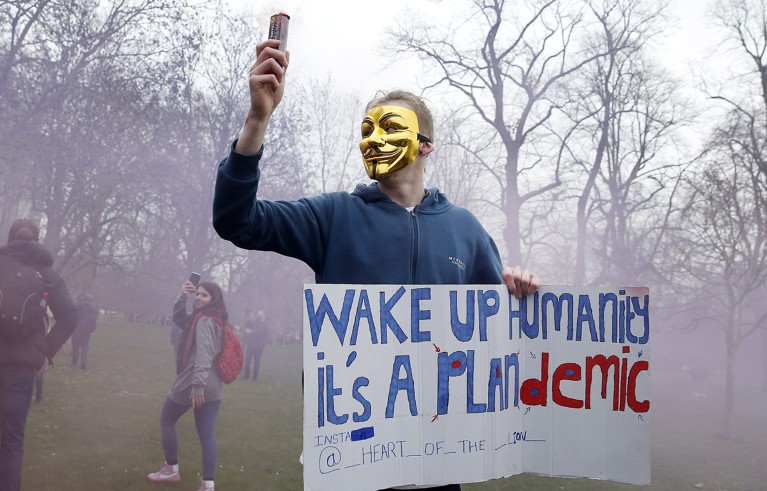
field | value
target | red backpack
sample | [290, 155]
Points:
[230, 360]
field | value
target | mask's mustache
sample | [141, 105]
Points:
[373, 153]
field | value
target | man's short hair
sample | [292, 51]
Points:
[425, 119]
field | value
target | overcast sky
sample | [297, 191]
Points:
[344, 39]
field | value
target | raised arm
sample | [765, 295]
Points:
[266, 82]
[180, 314]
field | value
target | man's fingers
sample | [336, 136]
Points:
[524, 282]
[535, 283]
[509, 280]
[268, 66]
[266, 44]
[266, 51]
[268, 71]
[520, 281]
[258, 81]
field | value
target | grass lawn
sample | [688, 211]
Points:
[98, 429]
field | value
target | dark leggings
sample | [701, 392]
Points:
[204, 420]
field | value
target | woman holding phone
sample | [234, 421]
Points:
[197, 384]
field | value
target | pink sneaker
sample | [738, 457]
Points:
[205, 487]
[166, 474]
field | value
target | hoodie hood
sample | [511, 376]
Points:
[433, 201]
[33, 252]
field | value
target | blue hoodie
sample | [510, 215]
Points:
[363, 237]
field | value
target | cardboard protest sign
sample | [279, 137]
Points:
[450, 384]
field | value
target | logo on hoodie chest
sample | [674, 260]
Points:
[458, 262]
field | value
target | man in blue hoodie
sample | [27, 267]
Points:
[393, 231]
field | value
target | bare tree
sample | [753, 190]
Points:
[456, 169]
[726, 245]
[118, 114]
[725, 251]
[333, 134]
[506, 76]
[624, 112]
[745, 25]
[76, 110]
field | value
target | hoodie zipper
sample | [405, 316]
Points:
[414, 245]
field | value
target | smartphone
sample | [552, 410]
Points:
[278, 29]
[194, 279]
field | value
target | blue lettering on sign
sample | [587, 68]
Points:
[448, 365]
[417, 315]
[471, 406]
[363, 311]
[332, 394]
[624, 311]
[397, 384]
[317, 317]
[462, 330]
[487, 309]
[495, 384]
[530, 329]
[488, 304]
[320, 397]
[380, 451]
[469, 446]
[388, 320]
[645, 313]
[365, 415]
[512, 360]
[585, 315]
[557, 303]
[604, 298]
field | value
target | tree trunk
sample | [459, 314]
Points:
[511, 233]
[729, 388]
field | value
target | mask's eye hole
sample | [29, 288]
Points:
[393, 128]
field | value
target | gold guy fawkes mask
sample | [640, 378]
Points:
[390, 140]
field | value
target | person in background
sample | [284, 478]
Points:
[391, 231]
[256, 337]
[197, 385]
[21, 357]
[87, 316]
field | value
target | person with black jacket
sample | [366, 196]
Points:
[22, 356]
